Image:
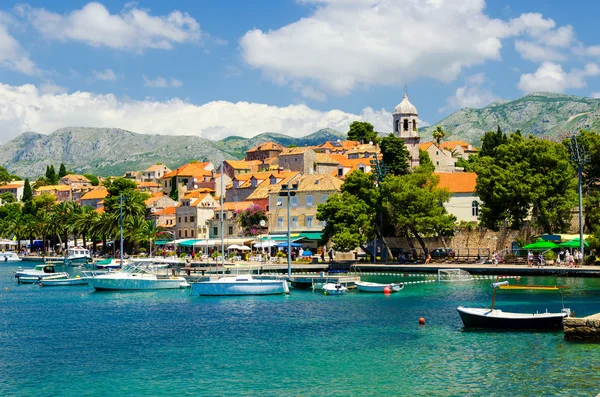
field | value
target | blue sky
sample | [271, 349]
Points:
[232, 67]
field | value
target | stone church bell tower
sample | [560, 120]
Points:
[406, 128]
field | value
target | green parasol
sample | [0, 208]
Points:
[541, 245]
[575, 243]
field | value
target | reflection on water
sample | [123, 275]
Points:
[74, 342]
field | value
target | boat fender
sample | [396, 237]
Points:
[422, 321]
[40, 284]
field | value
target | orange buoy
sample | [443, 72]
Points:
[5, 288]
[422, 321]
[387, 289]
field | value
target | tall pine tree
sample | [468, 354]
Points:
[62, 171]
[28, 207]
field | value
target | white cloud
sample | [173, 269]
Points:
[26, 108]
[551, 77]
[536, 52]
[133, 28]
[106, 75]
[595, 94]
[473, 94]
[161, 82]
[346, 44]
[50, 88]
[12, 55]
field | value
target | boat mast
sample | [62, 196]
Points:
[222, 223]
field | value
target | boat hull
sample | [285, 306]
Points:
[238, 288]
[36, 278]
[334, 289]
[64, 282]
[497, 319]
[102, 283]
[376, 287]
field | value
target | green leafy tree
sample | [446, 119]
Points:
[5, 176]
[590, 141]
[93, 179]
[174, 193]
[438, 134]
[490, 141]
[395, 156]
[7, 198]
[415, 205]
[470, 164]
[526, 176]
[425, 162]
[249, 220]
[363, 132]
[62, 171]
[350, 222]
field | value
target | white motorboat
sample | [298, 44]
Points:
[64, 282]
[497, 319]
[9, 256]
[240, 285]
[334, 289]
[39, 272]
[78, 254]
[366, 286]
[111, 263]
[137, 276]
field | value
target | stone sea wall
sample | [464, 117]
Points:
[584, 329]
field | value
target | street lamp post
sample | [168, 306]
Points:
[288, 191]
[495, 241]
[380, 172]
[580, 157]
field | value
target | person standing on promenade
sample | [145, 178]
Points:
[428, 259]
[530, 259]
[541, 260]
[495, 259]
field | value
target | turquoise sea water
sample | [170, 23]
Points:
[70, 341]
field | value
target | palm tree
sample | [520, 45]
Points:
[439, 134]
[85, 221]
[60, 222]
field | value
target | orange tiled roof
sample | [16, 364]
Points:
[76, 178]
[147, 184]
[11, 186]
[236, 206]
[457, 182]
[452, 144]
[100, 210]
[294, 150]
[262, 191]
[51, 188]
[426, 145]
[243, 164]
[189, 169]
[155, 167]
[266, 146]
[166, 211]
[95, 194]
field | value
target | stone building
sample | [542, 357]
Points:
[406, 127]
[300, 159]
[264, 151]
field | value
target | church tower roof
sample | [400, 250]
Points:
[405, 107]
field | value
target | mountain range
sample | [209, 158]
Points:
[543, 114]
[112, 151]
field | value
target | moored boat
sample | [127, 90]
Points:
[240, 285]
[9, 256]
[63, 282]
[366, 286]
[78, 254]
[137, 276]
[110, 263]
[334, 289]
[39, 272]
[491, 318]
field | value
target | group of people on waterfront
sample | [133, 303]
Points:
[564, 257]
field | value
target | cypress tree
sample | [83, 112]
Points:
[174, 193]
[27, 199]
[62, 171]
